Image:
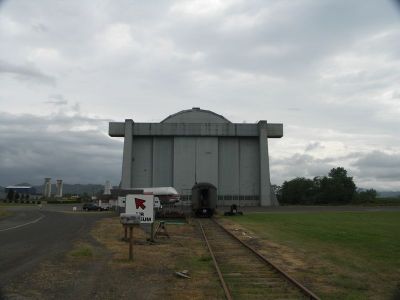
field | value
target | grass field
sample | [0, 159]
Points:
[3, 204]
[3, 212]
[388, 201]
[346, 255]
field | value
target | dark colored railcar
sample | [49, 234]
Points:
[204, 199]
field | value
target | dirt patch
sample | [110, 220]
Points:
[98, 268]
[152, 271]
[69, 276]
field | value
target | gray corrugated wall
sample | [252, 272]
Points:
[163, 155]
[142, 161]
[207, 160]
[231, 164]
[228, 166]
[249, 166]
[184, 164]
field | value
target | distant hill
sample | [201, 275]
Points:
[75, 189]
[388, 194]
[23, 184]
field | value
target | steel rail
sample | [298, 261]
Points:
[221, 278]
[301, 287]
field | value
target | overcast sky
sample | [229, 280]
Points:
[328, 70]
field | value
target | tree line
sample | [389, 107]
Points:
[336, 188]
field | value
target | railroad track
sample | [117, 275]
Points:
[243, 272]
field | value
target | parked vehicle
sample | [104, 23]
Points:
[91, 206]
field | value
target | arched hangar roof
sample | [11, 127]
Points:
[195, 115]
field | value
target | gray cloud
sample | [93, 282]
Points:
[369, 170]
[328, 70]
[57, 100]
[39, 27]
[378, 164]
[313, 146]
[74, 148]
[24, 72]
[300, 165]
[280, 38]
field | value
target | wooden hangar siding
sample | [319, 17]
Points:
[224, 154]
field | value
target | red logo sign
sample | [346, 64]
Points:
[140, 203]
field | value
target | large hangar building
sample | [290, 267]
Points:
[199, 145]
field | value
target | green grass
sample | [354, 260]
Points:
[4, 213]
[194, 263]
[5, 204]
[388, 201]
[205, 258]
[361, 250]
[82, 251]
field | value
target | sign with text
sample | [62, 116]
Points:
[141, 205]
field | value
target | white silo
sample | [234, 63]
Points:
[107, 188]
[47, 188]
[59, 188]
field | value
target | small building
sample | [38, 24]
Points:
[22, 192]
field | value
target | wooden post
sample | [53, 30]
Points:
[130, 243]
[152, 232]
[126, 232]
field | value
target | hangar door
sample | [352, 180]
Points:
[195, 160]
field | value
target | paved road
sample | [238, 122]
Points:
[31, 235]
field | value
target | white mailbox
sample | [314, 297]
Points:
[129, 219]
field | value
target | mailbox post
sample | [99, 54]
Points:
[128, 221]
[130, 243]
